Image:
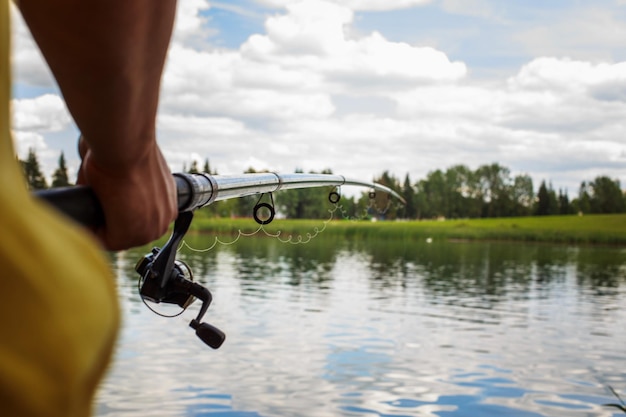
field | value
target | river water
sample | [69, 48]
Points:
[349, 328]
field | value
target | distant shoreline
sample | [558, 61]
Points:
[609, 229]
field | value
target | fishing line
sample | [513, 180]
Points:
[219, 241]
[367, 210]
[293, 240]
[298, 239]
[309, 236]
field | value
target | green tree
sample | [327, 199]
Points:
[543, 200]
[547, 201]
[207, 168]
[473, 193]
[408, 192]
[606, 196]
[522, 195]
[455, 193]
[422, 205]
[60, 177]
[193, 168]
[432, 195]
[349, 209]
[564, 204]
[382, 205]
[496, 185]
[554, 201]
[455, 180]
[583, 202]
[32, 171]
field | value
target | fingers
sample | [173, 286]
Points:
[83, 148]
[139, 202]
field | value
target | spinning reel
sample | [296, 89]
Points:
[163, 278]
[166, 280]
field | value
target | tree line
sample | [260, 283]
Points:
[491, 191]
[36, 179]
[457, 192]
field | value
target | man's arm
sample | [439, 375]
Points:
[107, 57]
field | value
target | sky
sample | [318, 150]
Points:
[366, 86]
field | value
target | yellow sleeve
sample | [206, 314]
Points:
[58, 309]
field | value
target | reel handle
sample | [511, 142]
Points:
[209, 334]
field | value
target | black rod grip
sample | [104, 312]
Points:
[78, 203]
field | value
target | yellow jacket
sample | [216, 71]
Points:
[58, 303]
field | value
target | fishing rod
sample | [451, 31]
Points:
[199, 190]
[163, 278]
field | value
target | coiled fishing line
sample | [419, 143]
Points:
[278, 235]
[296, 239]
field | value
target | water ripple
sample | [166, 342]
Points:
[456, 330]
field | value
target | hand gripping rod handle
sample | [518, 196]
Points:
[81, 204]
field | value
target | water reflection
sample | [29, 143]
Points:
[383, 328]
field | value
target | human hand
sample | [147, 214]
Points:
[139, 201]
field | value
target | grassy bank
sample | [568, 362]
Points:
[589, 229]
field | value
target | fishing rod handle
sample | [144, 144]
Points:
[81, 204]
[77, 202]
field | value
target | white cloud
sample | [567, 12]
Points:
[33, 120]
[295, 68]
[310, 93]
[572, 97]
[567, 75]
[310, 27]
[590, 33]
[223, 139]
[46, 113]
[362, 5]
[190, 26]
[26, 140]
[32, 69]
[478, 8]
[313, 36]
[280, 91]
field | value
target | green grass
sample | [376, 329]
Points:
[588, 229]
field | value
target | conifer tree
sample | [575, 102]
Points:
[554, 201]
[207, 167]
[60, 177]
[193, 169]
[564, 204]
[32, 171]
[584, 199]
[410, 211]
[543, 200]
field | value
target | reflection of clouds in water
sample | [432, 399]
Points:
[477, 329]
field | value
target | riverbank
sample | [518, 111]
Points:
[588, 229]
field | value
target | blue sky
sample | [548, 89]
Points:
[485, 40]
[363, 86]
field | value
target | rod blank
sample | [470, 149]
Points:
[199, 190]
